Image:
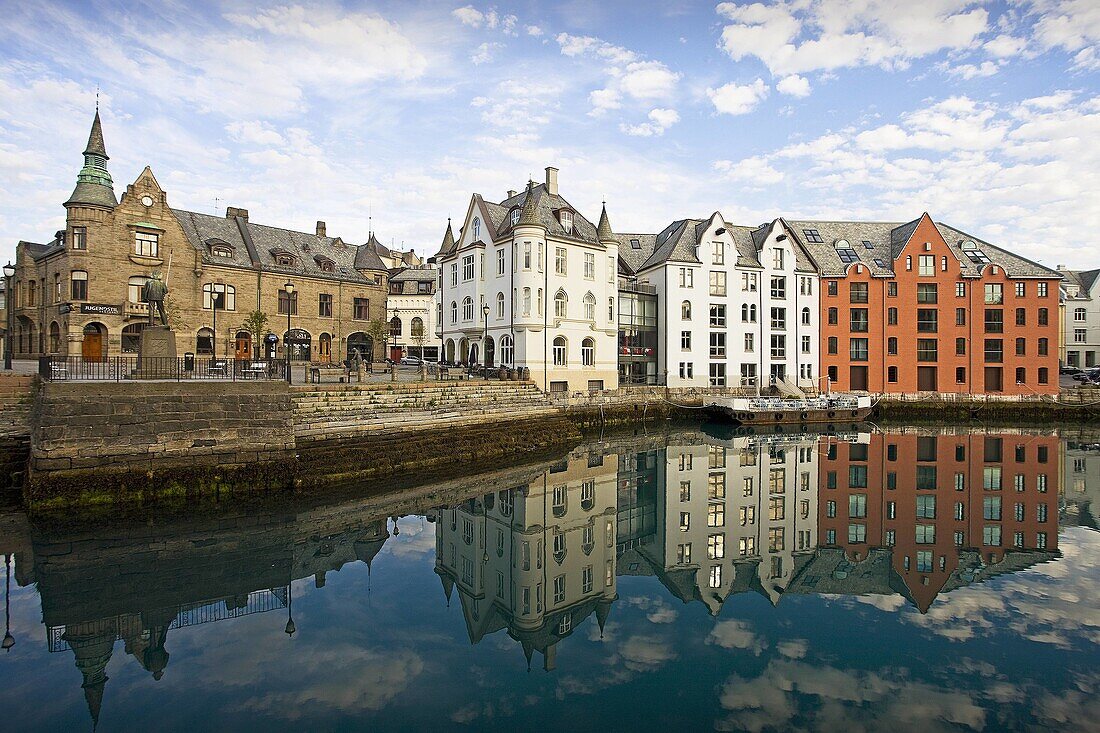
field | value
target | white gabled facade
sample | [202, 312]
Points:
[1081, 321]
[737, 307]
[549, 282]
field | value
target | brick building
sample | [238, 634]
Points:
[80, 294]
[945, 507]
[923, 307]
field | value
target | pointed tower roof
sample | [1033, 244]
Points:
[95, 139]
[448, 244]
[530, 214]
[93, 696]
[603, 231]
[94, 186]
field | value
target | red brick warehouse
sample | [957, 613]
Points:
[923, 307]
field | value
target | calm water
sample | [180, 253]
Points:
[868, 581]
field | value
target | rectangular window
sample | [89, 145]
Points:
[80, 238]
[858, 320]
[500, 261]
[779, 288]
[716, 546]
[779, 347]
[687, 370]
[288, 303]
[561, 262]
[994, 351]
[926, 507]
[927, 266]
[892, 289]
[857, 505]
[927, 320]
[718, 316]
[468, 268]
[779, 318]
[589, 266]
[687, 277]
[324, 305]
[991, 508]
[361, 309]
[747, 515]
[717, 283]
[717, 253]
[718, 345]
[857, 534]
[994, 294]
[927, 350]
[146, 244]
[79, 285]
[858, 293]
[718, 375]
[927, 293]
[926, 534]
[1041, 290]
[748, 282]
[685, 340]
[994, 320]
[960, 290]
[716, 515]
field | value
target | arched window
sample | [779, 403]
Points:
[131, 337]
[467, 308]
[204, 342]
[908, 262]
[416, 328]
[561, 304]
[395, 327]
[559, 351]
[55, 338]
[805, 316]
[477, 227]
[507, 351]
[79, 285]
[454, 312]
[500, 305]
[227, 296]
[588, 352]
[752, 313]
[590, 307]
[685, 311]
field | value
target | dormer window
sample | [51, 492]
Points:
[284, 259]
[477, 228]
[515, 217]
[221, 251]
[325, 264]
[566, 218]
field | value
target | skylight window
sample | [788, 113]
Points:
[847, 255]
[977, 256]
[880, 263]
[812, 235]
[635, 244]
[867, 244]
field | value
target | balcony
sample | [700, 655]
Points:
[136, 310]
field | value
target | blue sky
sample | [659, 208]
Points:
[985, 114]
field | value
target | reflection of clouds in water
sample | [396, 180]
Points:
[793, 648]
[736, 635]
[1073, 706]
[843, 700]
[367, 680]
[417, 539]
[640, 653]
[645, 653]
[657, 610]
[503, 707]
[1048, 604]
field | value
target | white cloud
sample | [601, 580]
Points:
[756, 169]
[533, 30]
[659, 121]
[1004, 46]
[736, 635]
[793, 86]
[735, 99]
[603, 100]
[484, 53]
[794, 36]
[254, 132]
[648, 80]
[469, 15]
[972, 71]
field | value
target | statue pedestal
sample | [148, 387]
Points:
[156, 353]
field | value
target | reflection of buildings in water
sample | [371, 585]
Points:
[735, 515]
[855, 514]
[1081, 488]
[920, 514]
[138, 589]
[536, 559]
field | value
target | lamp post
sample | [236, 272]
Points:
[215, 298]
[9, 640]
[485, 341]
[289, 288]
[290, 627]
[9, 273]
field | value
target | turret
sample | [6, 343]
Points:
[603, 231]
[94, 187]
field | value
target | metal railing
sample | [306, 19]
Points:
[124, 368]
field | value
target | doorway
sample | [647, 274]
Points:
[242, 345]
[926, 379]
[91, 349]
[857, 378]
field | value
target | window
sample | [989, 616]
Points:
[80, 238]
[806, 346]
[1080, 315]
[991, 508]
[960, 347]
[687, 370]
[892, 346]
[748, 282]
[717, 345]
[715, 576]
[226, 296]
[1021, 316]
[858, 293]
[832, 345]
[859, 321]
[79, 285]
[718, 375]
[146, 244]
[994, 320]
[927, 350]
[716, 515]
[467, 308]
[779, 318]
[779, 347]
[717, 253]
[926, 265]
[994, 351]
[526, 255]
[806, 316]
[1042, 347]
[1041, 290]
[779, 288]
[832, 289]
[1021, 347]
[588, 352]
[683, 552]
[454, 274]
[857, 505]
[467, 268]
[716, 546]
[687, 277]
[927, 320]
[500, 261]
[926, 507]
[748, 313]
[685, 340]
[589, 307]
[1080, 335]
[566, 221]
[288, 303]
[812, 235]
[994, 293]
[927, 293]
[892, 374]
[806, 286]
[926, 535]
[500, 305]
[718, 316]
[960, 290]
[833, 316]
[685, 311]
[1043, 317]
[857, 534]
[857, 349]
[891, 316]
[454, 312]
[718, 283]
[589, 266]
[204, 342]
[324, 305]
[750, 342]
[561, 304]
[559, 351]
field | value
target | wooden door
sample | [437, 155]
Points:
[324, 348]
[857, 377]
[926, 379]
[243, 348]
[92, 347]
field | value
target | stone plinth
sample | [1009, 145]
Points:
[156, 353]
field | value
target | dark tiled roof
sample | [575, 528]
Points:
[1084, 279]
[631, 257]
[416, 274]
[545, 206]
[95, 139]
[307, 249]
[93, 193]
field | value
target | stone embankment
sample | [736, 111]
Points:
[16, 400]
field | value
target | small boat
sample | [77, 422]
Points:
[829, 408]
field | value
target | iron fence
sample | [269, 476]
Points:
[185, 368]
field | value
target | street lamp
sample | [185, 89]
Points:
[290, 627]
[215, 298]
[289, 288]
[9, 640]
[9, 273]
[485, 341]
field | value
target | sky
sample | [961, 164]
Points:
[389, 115]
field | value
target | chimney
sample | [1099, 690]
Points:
[511, 193]
[232, 212]
[552, 181]
[1061, 268]
[320, 229]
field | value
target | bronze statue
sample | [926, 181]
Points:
[153, 292]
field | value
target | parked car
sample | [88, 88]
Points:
[1069, 370]
[1084, 375]
[410, 361]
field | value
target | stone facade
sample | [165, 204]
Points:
[80, 295]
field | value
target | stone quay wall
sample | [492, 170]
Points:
[201, 432]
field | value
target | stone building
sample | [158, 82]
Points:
[80, 294]
[530, 282]
[1081, 329]
[411, 312]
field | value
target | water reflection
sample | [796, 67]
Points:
[889, 519]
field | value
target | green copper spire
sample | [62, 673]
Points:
[93, 184]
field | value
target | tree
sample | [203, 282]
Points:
[416, 332]
[256, 325]
[379, 332]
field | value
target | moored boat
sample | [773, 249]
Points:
[830, 408]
